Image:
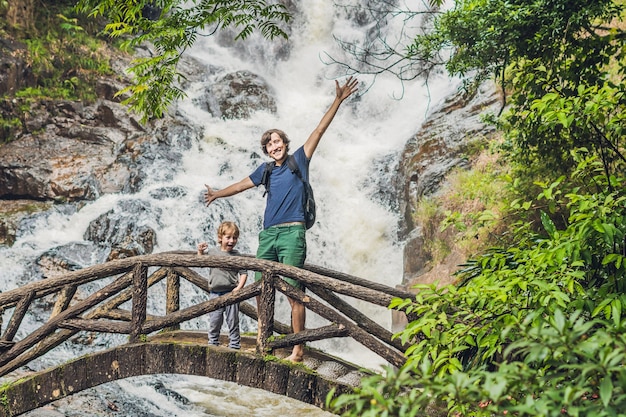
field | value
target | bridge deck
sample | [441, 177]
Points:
[324, 364]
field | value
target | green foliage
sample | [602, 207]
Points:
[543, 131]
[172, 32]
[559, 365]
[398, 393]
[65, 60]
[4, 399]
[10, 123]
[554, 56]
[8, 126]
[487, 36]
[468, 214]
[532, 329]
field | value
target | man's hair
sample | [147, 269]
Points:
[226, 227]
[267, 136]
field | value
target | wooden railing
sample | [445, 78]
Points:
[131, 278]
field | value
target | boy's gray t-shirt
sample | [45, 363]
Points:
[221, 279]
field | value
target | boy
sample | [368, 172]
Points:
[222, 281]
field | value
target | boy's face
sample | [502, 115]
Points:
[229, 240]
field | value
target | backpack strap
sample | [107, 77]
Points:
[293, 166]
[265, 179]
[269, 166]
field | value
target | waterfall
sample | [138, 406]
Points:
[356, 231]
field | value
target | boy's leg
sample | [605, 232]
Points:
[232, 320]
[216, 319]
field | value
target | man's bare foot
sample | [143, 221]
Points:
[294, 357]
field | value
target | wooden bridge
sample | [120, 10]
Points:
[157, 345]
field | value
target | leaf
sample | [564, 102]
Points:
[563, 119]
[548, 224]
[559, 320]
[616, 311]
[606, 391]
[601, 307]
[495, 385]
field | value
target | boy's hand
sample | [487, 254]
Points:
[202, 246]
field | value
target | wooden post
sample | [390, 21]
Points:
[359, 318]
[140, 300]
[266, 302]
[63, 299]
[172, 296]
[18, 316]
[329, 313]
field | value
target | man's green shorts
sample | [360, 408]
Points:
[285, 244]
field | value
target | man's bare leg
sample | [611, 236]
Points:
[298, 315]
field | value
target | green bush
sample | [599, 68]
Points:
[535, 329]
[64, 57]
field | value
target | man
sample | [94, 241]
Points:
[283, 238]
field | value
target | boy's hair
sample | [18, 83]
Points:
[267, 136]
[226, 227]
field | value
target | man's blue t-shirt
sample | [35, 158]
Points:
[285, 199]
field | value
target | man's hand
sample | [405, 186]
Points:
[209, 195]
[343, 92]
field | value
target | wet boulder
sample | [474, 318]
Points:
[237, 96]
[125, 229]
[68, 152]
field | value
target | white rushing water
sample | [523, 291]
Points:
[355, 234]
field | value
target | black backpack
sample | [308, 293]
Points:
[309, 199]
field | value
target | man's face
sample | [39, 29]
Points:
[276, 147]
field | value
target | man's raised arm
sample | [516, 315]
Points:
[341, 93]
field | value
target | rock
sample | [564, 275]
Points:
[124, 229]
[70, 257]
[237, 95]
[168, 192]
[438, 145]
[44, 412]
[427, 158]
[71, 154]
[12, 212]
